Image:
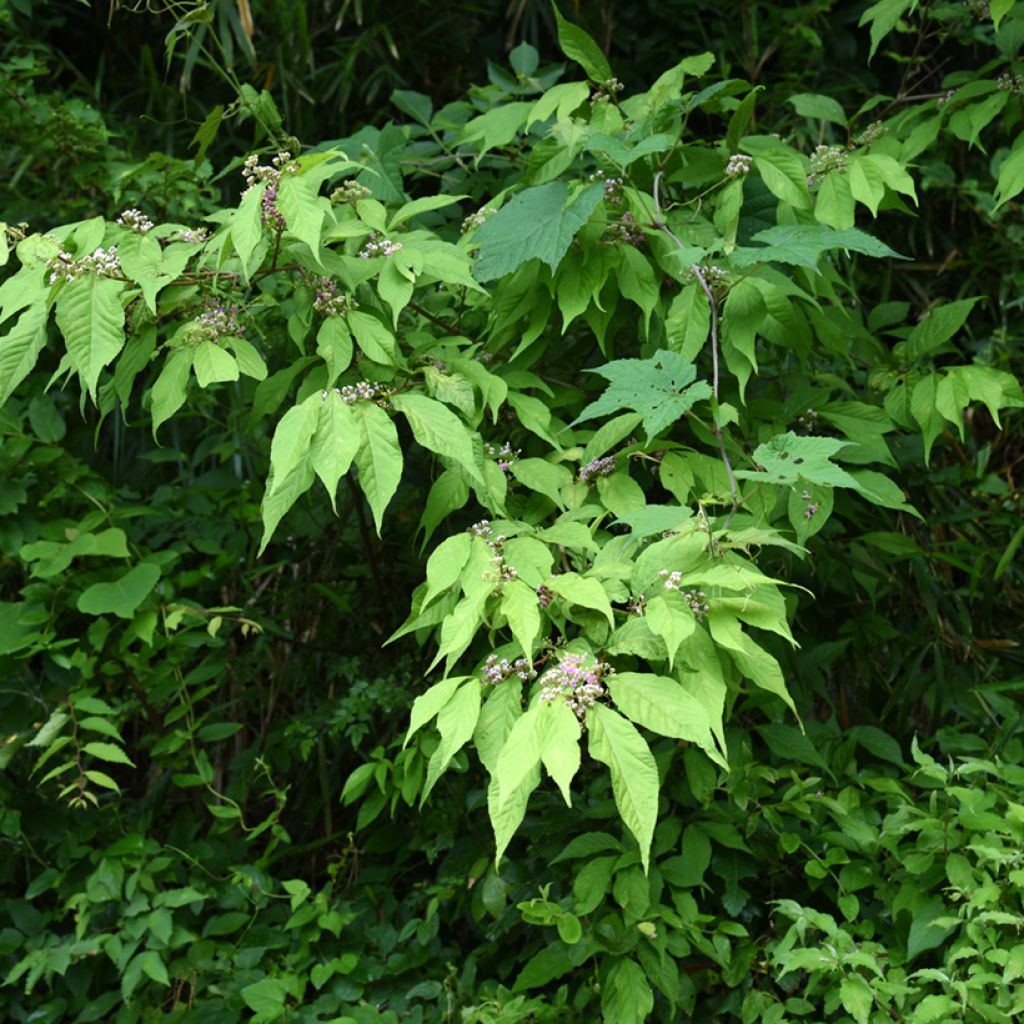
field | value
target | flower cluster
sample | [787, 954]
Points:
[637, 605]
[194, 236]
[612, 187]
[714, 276]
[598, 467]
[506, 455]
[826, 159]
[377, 245]
[576, 681]
[362, 391]
[350, 191]
[607, 91]
[474, 220]
[102, 262]
[808, 420]
[872, 133]
[217, 320]
[811, 508]
[739, 163]
[1008, 82]
[498, 670]
[624, 229]
[328, 300]
[945, 97]
[500, 572]
[545, 595]
[271, 176]
[135, 220]
[696, 599]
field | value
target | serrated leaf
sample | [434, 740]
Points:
[20, 348]
[614, 741]
[665, 707]
[559, 743]
[626, 997]
[335, 443]
[662, 389]
[577, 45]
[787, 458]
[379, 458]
[782, 169]
[107, 752]
[519, 605]
[297, 200]
[439, 430]
[538, 222]
[293, 439]
[456, 721]
[90, 317]
[121, 597]
[507, 813]
[584, 591]
[804, 244]
[430, 702]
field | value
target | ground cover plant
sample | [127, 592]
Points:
[550, 554]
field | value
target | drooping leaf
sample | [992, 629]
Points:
[122, 596]
[90, 317]
[804, 244]
[379, 458]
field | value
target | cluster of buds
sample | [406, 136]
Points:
[500, 572]
[612, 187]
[135, 220]
[624, 229]
[194, 236]
[739, 164]
[545, 595]
[506, 455]
[271, 176]
[361, 391]
[217, 320]
[1008, 82]
[101, 262]
[607, 91]
[328, 300]
[377, 245]
[637, 605]
[497, 670]
[811, 508]
[872, 133]
[350, 191]
[576, 681]
[474, 220]
[696, 599]
[826, 159]
[945, 98]
[807, 420]
[714, 276]
[604, 466]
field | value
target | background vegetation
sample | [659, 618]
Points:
[207, 808]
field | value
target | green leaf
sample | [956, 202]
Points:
[804, 244]
[938, 327]
[266, 997]
[662, 389]
[519, 605]
[577, 45]
[883, 18]
[584, 591]
[20, 348]
[90, 317]
[439, 430]
[508, 810]
[123, 596]
[615, 742]
[374, 338]
[559, 743]
[334, 346]
[247, 225]
[538, 222]
[427, 704]
[669, 617]
[787, 458]
[626, 997]
[456, 721]
[171, 387]
[665, 707]
[782, 169]
[213, 365]
[637, 280]
[379, 458]
[280, 495]
[293, 439]
[1011, 174]
[822, 108]
[107, 752]
[297, 200]
[519, 757]
[923, 407]
[445, 565]
[335, 443]
[423, 205]
[753, 661]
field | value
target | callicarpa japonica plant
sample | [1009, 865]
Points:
[615, 360]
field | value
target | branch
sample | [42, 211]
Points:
[659, 223]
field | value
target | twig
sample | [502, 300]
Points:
[660, 224]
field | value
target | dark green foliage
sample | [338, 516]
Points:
[703, 393]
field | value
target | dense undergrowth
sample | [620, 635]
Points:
[684, 415]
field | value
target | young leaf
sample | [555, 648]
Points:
[559, 742]
[455, 722]
[519, 605]
[577, 45]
